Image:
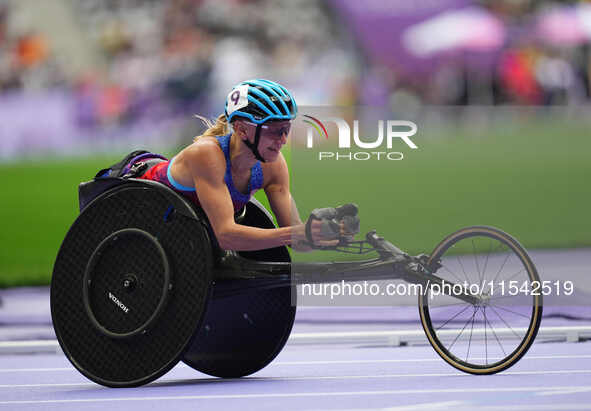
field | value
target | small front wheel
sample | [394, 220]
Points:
[493, 334]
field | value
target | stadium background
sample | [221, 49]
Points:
[500, 91]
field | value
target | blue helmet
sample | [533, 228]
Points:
[259, 101]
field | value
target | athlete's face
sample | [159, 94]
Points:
[273, 137]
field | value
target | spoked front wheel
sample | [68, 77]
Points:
[493, 334]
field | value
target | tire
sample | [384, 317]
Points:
[503, 334]
[243, 333]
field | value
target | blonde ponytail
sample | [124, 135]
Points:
[219, 128]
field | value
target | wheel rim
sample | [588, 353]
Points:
[493, 335]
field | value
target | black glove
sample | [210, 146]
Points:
[331, 221]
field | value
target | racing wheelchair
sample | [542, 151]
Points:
[140, 284]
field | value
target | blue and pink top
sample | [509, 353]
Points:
[161, 173]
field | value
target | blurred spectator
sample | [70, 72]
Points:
[3, 21]
[517, 77]
[556, 77]
[115, 39]
[169, 59]
[31, 50]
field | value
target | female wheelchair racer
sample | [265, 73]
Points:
[140, 282]
[222, 169]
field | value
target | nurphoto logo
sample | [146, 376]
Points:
[387, 131]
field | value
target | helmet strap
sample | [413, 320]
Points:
[254, 147]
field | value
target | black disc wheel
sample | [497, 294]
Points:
[130, 285]
[493, 331]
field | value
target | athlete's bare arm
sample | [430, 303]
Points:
[279, 195]
[205, 163]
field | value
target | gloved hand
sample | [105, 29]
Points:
[340, 223]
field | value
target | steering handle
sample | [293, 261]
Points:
[382, 245]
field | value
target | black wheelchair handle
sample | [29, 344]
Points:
[382, 245]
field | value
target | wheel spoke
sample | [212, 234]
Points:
[445, 323]
[493, 331]
[476, 260]
[515, 275]
[501, 268]
[485, 345]
[504, 296]
[449, 305]
[511, 311]
[449, 271]
[462, 265]
[505, 322]
[471, 331]
[506, 280]
[461, 332]
[484, 269]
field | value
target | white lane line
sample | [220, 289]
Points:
[375, 361]
[37, 369]
[572, 390]
[537, 407]
[389, 337]
[467, 406]
[445, 405]
[436, 359]
[79, 384]
[495, 390]
[306, 378]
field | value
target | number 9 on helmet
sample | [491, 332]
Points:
[260, 101]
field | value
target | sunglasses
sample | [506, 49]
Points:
[273, 131]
